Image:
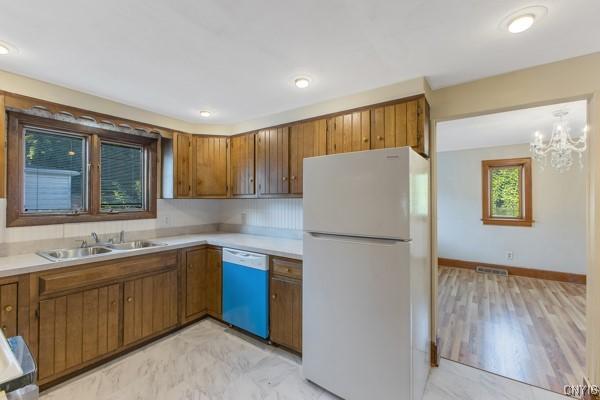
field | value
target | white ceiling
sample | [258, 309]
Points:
[238, 58]
[506, 128]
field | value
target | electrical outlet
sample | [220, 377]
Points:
[510, 255]
[244, 218]
[167, 220]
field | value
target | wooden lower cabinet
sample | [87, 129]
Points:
[214, 282]
[286, 303]
[150, 305]
[203, 283]
[77, 328]
[195, 283]
[9, 308]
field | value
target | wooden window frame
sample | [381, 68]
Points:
[15, 216]
[526, 218]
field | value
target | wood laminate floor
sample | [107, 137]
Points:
[527, 329]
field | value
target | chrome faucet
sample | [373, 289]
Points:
[95, 237]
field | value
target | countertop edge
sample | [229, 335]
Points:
[39, 264]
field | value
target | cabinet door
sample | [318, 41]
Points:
[77, 328]
[150, 305]
[286, 312]
[272, 164]
[183, 168]
[389, 126]
[195, 282]
[214, 282]
[9, 308]
[242, 165]
[402, 124]
[349, 132]
[210, 166]
[308, 139]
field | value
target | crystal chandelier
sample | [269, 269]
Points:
[561, 145]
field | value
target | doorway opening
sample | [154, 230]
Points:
[512, 244]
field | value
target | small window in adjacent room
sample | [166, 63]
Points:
[122, 181]
[507, 192]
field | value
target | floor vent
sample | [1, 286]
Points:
[493, 271]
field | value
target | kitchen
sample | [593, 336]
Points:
[238, 244]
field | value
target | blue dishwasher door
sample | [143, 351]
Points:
[246, 291]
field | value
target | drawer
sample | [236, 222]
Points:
[287, 268]
[97, 273]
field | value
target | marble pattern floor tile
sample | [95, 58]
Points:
[208, 361]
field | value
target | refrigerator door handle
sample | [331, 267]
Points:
[358, 239]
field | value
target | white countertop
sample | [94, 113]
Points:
[274, 246]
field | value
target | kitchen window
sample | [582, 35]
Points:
[61, 172]
[506, 192]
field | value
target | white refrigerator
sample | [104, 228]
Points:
[366, 274]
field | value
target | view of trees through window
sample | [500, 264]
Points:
[121, 177]
[54, 172]
[505, 192]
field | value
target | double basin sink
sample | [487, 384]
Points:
[94, 250]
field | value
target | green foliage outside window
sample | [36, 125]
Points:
[505, 198]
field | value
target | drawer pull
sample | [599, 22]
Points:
[8, 308]
[130, 299]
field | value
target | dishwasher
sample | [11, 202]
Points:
[246, 291]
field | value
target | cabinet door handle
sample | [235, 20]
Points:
[379, 137]
[8, 308]
[293, 178]
[251, 180]
[129, 299]
[274, 296]
[365, 139]
[284, 178]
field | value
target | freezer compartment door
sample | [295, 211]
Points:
[356, 316]
[359, 194]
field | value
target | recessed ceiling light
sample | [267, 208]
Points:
[205, 114]
[302, 82]
[521, 20]
[521, 24]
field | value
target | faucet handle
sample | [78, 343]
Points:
[84, 242]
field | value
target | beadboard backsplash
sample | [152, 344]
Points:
[273, 217]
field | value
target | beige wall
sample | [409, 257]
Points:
[46, 91]
[565, 80]
[555, 242]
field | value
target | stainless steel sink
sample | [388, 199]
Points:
[136, 244]
[76, 253]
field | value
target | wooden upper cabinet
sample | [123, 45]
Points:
[308, 139]
[150, 305]
[349, 132]
[272, 161]
[78, 328]
[210, 166]
[401, 124]
[183, 165]
[242, 165]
